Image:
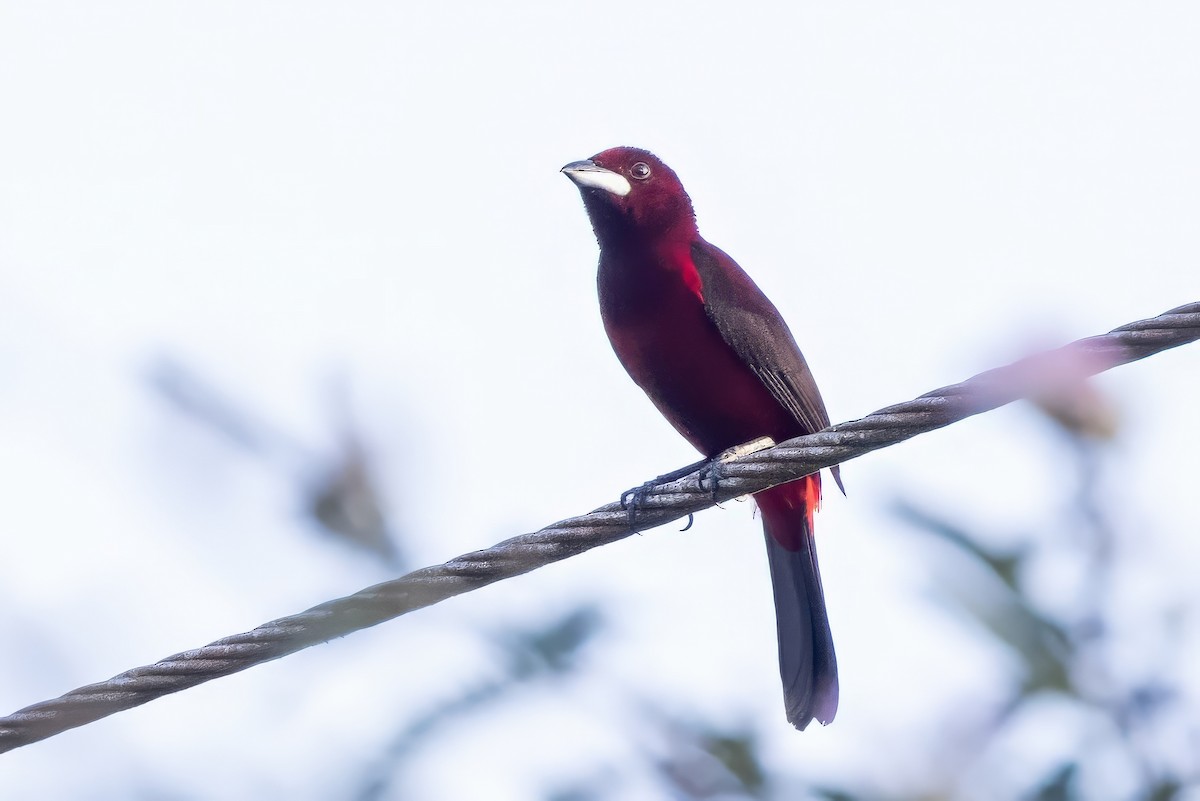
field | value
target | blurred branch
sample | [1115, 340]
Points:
[1070, 652]
[664, 503]
[347, 504]
[1007, 614]
[194, 397]
[546, 653]
[339, 490]
[703, 761]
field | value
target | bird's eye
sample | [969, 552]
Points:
[641, 170]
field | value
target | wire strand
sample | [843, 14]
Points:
[785, 462]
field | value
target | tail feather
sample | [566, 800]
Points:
[807, 663]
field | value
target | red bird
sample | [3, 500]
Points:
[719, 362]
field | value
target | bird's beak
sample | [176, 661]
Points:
[588, 174]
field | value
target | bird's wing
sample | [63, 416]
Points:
[753, 327]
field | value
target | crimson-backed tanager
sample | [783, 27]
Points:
[719, 362]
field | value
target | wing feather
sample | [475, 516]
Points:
[753, 327]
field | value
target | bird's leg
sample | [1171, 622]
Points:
[631, 499]
[709, 470]
[712, 471]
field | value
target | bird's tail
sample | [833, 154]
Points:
[807, 663]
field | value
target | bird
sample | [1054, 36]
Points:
[718, 361]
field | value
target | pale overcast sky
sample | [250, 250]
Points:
[277, 192]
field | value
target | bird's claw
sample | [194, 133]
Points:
[714, 470]
[631, 499]
[711, 470]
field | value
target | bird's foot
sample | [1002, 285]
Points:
[710, 470]
[632, 499]
[714, 470]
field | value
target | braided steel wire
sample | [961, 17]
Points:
[660, 504]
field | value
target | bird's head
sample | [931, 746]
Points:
[630, 192]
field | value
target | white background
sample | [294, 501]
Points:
[280, 192]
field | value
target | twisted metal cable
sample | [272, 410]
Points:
[663, 503]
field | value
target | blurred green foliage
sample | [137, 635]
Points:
[1061, 655]
[1067, 656]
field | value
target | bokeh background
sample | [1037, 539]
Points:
[293, 298]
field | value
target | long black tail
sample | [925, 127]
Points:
[807, 663]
